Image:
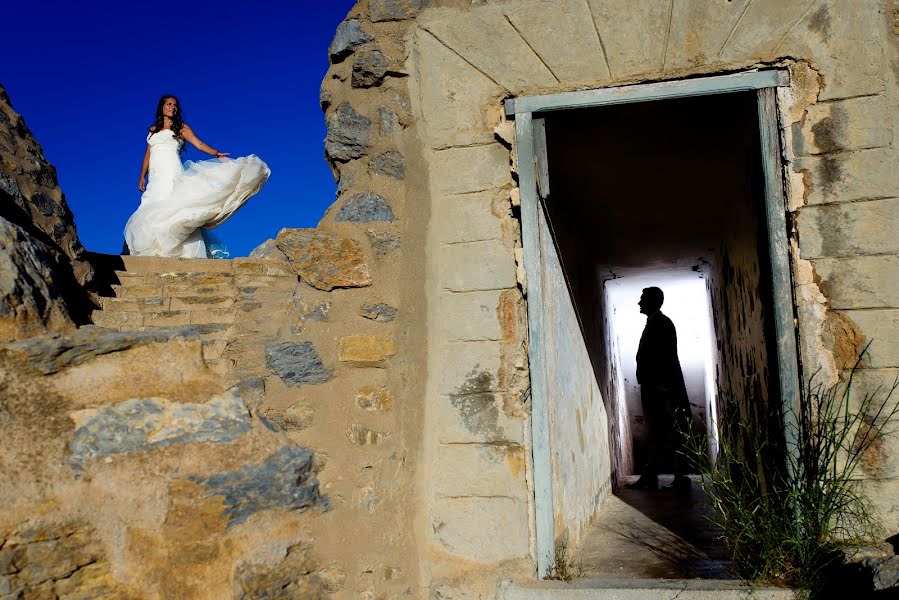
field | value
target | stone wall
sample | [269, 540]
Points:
[391, 340]
[165, 486]
[466, 57]
[45, 278]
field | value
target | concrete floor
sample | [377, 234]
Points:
[654, 534]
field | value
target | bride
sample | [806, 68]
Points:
[180, 201]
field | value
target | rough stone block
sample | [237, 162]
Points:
[297, 364]
[477, 266]
[469, 367]
[881, 328]
[267, 249]
[374, 399]
[394, 10]
[455, 96]
[388, 121]
[143, 424]
[323, 260]
[476, 417]
[391, 163]
[293, 577]
[468, 218]
[474, 169]
[369, 68]
[854, 124]
[348, 37]
[363, 436]
[52, 353]
[481, 470]
[285, 481]
[296, 417]
[862, 175]
[383, 242]
[471, 316]
[365, 350]
[849, 229]
[349, 134]
[365, 207]
[484, 530]
[382, 313]
[860, 282]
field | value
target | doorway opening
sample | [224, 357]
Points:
[670, 194]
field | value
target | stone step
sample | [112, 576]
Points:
[118, 319]
[173, 290]
[127, 278]
[140, 304]
[212, 316]
[642, 589]
[137, 291]
[153, 264]
[200, 302]
[182, 290]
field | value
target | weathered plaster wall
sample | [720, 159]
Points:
[579, 423]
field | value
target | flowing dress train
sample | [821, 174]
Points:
[182, 200]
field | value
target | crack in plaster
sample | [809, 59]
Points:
[667, 33]
[531, 48]
[602, 44]
[468, 62]
[789, 30]
[733, 29]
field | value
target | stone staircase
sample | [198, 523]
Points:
[151, 292]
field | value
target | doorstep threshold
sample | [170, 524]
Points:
[643, 589]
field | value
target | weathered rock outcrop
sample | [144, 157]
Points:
[43, 266]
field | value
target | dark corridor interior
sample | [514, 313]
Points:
[665, 189]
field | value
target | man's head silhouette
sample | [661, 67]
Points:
[651, 300]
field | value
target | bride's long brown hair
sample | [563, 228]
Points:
[177, 118]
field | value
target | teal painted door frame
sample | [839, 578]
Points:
[528, 112]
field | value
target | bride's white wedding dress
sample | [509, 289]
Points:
[182, 200]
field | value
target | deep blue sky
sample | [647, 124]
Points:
[87, 75]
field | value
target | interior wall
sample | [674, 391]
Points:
[663, 187]
[578, 420]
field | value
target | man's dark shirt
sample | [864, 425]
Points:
[657, 362]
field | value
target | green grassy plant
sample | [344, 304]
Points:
[784, 519]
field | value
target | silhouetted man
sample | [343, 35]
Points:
[662, 393]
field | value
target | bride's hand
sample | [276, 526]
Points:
[222, 154]
[142, 184]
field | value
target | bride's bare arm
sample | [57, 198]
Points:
[142, 182]
[188, 134]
